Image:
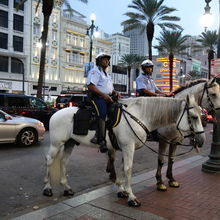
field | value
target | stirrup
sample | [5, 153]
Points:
[94, 140]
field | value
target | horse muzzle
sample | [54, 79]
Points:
[198, 139]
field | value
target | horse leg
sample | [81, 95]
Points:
[110, 165]
[162, 149]
[68, 147]
[121, 193]
[47, 191]
[128, 155]
[172, 181]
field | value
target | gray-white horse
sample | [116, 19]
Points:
[207, 94]
[152, 112]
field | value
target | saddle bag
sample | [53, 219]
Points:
[81, 121]
[84, 119]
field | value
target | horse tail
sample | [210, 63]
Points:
[55, 168]
[61, 157]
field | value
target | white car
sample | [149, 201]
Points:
[21, 130]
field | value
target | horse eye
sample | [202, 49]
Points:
[194, 117]
[213, 95]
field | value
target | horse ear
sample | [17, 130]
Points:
[213, 80]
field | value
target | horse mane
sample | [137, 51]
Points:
[156, 110]
[189, 84]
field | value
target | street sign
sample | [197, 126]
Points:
[215, 67]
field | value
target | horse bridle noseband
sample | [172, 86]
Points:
[206, 89]
[193, 132]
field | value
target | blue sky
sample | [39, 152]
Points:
[109, 14]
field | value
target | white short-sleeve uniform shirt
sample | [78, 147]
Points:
[101, 80]
[146, 82]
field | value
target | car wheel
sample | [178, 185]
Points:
[27, 137]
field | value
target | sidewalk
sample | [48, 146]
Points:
[197, 198]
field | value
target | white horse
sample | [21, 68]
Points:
[152, 112]
[207, 94]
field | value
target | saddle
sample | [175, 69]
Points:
[86, 119]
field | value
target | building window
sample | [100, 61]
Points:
[3, 41]
[17, 66]
[4, 2]
[3, 64]
[54, 35]
[68, 38]
[68, 56]
[36, 29]
[16, 3]
[18, 43]
[18, 23]
[3, 18]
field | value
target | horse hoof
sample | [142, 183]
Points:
[122, 195]
[174, 184]
[48, 192]
[68, 192]
[161, 187]
[134, 203]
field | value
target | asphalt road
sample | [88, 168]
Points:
[22, 171]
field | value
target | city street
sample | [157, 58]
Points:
[22, 171]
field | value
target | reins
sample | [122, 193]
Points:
[148, 134]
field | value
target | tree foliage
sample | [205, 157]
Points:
[146, 15]
[171, 43]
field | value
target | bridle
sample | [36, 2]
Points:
[192, 134]
[192, 131]
[206, 89]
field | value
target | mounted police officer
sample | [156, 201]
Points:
[145, 85]
[100, 86]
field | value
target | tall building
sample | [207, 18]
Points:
[74, 50]
[14, 46]
[51, 85]
[138, 41]
[120, 47]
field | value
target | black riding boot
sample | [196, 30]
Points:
[94, 140]
[101, 136]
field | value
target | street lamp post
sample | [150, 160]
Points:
[90, 32]
[213, 164]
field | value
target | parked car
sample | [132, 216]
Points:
[28, 106]
[206, 117]
[69, 100]
[21, 130]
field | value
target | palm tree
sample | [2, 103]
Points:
[208, 40]
[170, 43]
[150, 13]
[130, 61]
[47, 8]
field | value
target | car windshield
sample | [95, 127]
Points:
[63, 99]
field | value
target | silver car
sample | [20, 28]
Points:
[21, 130]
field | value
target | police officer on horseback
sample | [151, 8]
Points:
[145, 85]
[101, 88]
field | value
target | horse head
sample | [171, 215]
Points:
[210, 98]
[189, 123]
